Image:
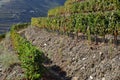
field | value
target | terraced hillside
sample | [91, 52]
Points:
[77, 41]
[97, 21]
[90, 17]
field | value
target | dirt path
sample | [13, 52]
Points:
[77, 60]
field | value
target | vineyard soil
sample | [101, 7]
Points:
[79, 60]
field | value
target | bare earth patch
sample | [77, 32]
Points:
[78, 60]
[10, 68]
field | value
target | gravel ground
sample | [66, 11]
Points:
[10, 68]
[76, 60]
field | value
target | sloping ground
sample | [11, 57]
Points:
[79, 60]
[10, 68]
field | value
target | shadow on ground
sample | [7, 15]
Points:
[54, 72]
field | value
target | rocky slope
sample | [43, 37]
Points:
[10, 68]
[78, 60]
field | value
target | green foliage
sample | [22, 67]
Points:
[99, 23]
[86, 6]
[101, 16]
[89, 33]
[31, 58]
[20, 26]
[56, 11]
